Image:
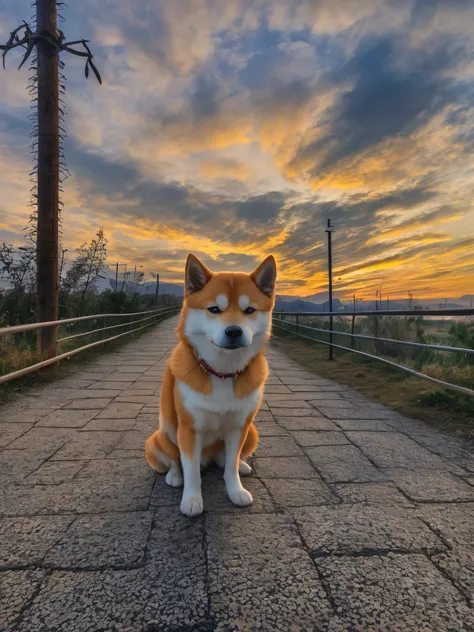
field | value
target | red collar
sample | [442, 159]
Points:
[204, 365]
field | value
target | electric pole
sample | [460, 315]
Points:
[330, 230]
[157, 288]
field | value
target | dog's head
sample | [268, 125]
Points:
[228, 313]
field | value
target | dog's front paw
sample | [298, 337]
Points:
[240, 497]
[192, 506]
[174, 479]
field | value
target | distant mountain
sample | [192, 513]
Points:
[176, 289]
[298, 305]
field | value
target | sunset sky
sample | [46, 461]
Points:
[236, 128]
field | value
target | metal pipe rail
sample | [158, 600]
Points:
[44, 363]
[17, 329]
[464, 311]
[278, 323]
[422, 345]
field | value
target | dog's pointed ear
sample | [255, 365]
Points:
[196, 275]
[264, 276]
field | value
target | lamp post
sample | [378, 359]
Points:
[330, 230]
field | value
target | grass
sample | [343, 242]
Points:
[447, 410]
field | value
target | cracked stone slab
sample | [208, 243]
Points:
[88, 445]
[133, 440]
[11, 431]
[354, 413]
[458, 565]
[343, 464]
[276, 389]
[265, 582]
[305, 423]
[313, 438]
[270, 429]
[372, 494]
[113, 540]
[163, 495]
[111, 385]
[396, 592]
[300, 493]
[284, 467]
[21, 416]
[395, 450]
[53, 473]
[176, 574]
[364, 530]
[16, 464]
[17, 588]
[120, 411]
[263, 415]
[278, 446]
[372, 425]
[431, 485]
[455, 525]
[293, 409]
[42, 440]
[67, 418]
[112, 425]
[114, 469]
[88, 404]
[86, 601]
[77, 496]
[216, 499]
[25, 541]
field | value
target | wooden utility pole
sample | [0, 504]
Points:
[49, 42]
[48, 178]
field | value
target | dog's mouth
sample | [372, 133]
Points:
[232, 346]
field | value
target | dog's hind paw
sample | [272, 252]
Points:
[244, 468]
[174, 478]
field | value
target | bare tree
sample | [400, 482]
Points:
[18, 267]
[88, 267]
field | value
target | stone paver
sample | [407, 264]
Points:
[362, 521]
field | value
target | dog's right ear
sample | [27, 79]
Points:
[197, 275]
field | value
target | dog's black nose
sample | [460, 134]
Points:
[233, 331]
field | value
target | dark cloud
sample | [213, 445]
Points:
[391, 94]
[175, 204]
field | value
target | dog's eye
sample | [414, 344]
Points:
[214, 309]
[249, 310]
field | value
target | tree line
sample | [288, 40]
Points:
[77, 282]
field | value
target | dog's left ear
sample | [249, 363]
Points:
[264, 276]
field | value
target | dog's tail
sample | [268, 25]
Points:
[160, 451]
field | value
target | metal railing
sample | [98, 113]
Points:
[294, 326]
[150, 317]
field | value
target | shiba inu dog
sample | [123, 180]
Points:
[213, 385]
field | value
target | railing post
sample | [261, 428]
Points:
[352, 331]
[297, 324]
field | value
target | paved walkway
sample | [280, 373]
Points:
[363, 519]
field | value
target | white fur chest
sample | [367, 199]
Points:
[220, 411]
